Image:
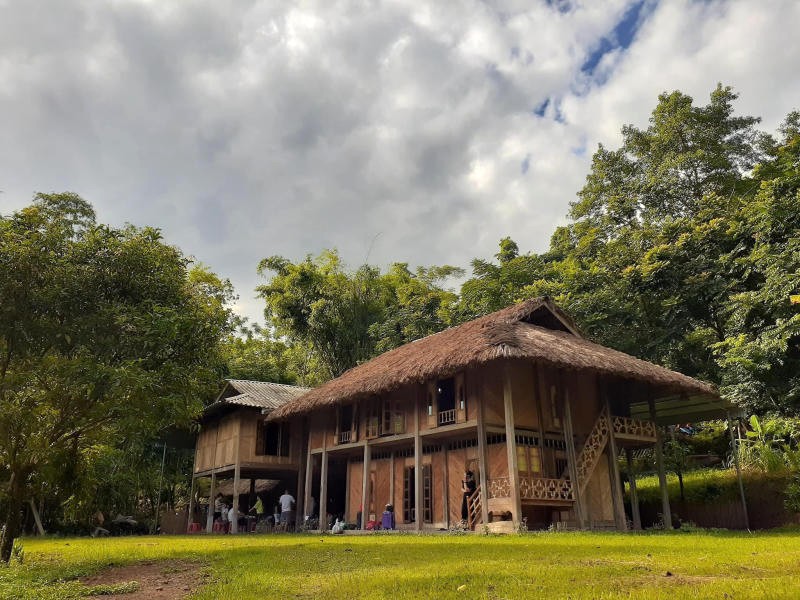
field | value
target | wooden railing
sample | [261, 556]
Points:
[345, 436]
[634, 428]
[474, 515]
[447, 416]
[545, 488]
[533, 488]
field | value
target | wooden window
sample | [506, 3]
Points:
[276, 438]
[427, 494]
[461, 399]
[394, 419]
[372, 420]
[409, 485]
[529, 461]
[344, 424]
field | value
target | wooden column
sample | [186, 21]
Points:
[192, 490]
[548, 470]
[391, 479]
[511, 447]
[483, 476]
[365, 487]
[211, 494]
[735, 449]
[572, 461]
[613, 472]
[662, 476]
[235, 522]
[308, 475]
[418, 510]
[323, 491]
[635, 514]
[445, 487]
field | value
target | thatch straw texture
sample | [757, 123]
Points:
[508, 333]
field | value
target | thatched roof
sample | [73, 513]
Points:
[255, 394]
[535, 330]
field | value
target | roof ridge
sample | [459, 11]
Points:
[288, 385]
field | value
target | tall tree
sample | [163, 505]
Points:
[341, 318]
[104, 333]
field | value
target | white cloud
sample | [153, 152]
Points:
[251, 128]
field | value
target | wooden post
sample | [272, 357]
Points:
[418, 509]
[210, 517]
[613, 472]
[365, 487]
[662, 475]
[308, 475]
[572, 462]
[190, 516]
[483, 476]
[511, 448]
[445, 487]
[323, 491]
[547, 470]
[391, 479]
[235, 521]
[300, 506]
[735, 449]
[635, 514]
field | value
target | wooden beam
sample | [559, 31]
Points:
[323, 491]
[666, 513]
[511, 447]
[235, 522]
[210, 516]
[572, 461]
[483, 476]
[735, 449]
[613, 468]
[308, 475]
[418, 510]
[365, 487]
[635, 514]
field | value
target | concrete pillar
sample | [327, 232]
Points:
[235, 522]
[483, 476]
[211, 494]
[635, 514]
[418, 510]
[323, 491]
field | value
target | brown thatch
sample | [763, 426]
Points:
[514, 332]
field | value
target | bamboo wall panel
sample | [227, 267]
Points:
[490, 384]
[497, 461]
[598, 493]
[523, 394]
[356, 469]
[381, 469]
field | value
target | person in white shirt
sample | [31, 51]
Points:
[287, 508]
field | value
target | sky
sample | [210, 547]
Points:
[397, 131]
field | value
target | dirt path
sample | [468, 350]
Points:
[162, 580]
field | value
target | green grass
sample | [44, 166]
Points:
[709, 485]
[554, 565]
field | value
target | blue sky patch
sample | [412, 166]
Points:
[620, 38]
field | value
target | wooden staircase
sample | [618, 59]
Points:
[474, 513]
[593, 449]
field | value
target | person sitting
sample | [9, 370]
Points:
[387, 518]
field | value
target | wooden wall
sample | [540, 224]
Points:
[217, 443]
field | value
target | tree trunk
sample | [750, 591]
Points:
[680, 483]
[13, 519]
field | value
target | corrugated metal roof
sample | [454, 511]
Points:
[256, 394]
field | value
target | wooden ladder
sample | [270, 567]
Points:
[474, 513]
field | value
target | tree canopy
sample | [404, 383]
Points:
[105, 334]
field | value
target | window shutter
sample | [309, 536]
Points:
[461, 398]
[433, 412]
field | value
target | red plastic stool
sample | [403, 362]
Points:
[194, 528]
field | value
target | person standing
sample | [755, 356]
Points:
[287, 508]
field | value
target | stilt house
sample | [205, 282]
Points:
[536, 412]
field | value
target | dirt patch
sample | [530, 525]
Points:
[162, 580]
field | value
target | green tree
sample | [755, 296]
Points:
[339, 318]
[104, 333]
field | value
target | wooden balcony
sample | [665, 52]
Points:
[446, 417]
[345, 437]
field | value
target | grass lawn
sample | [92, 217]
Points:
[555, 565]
